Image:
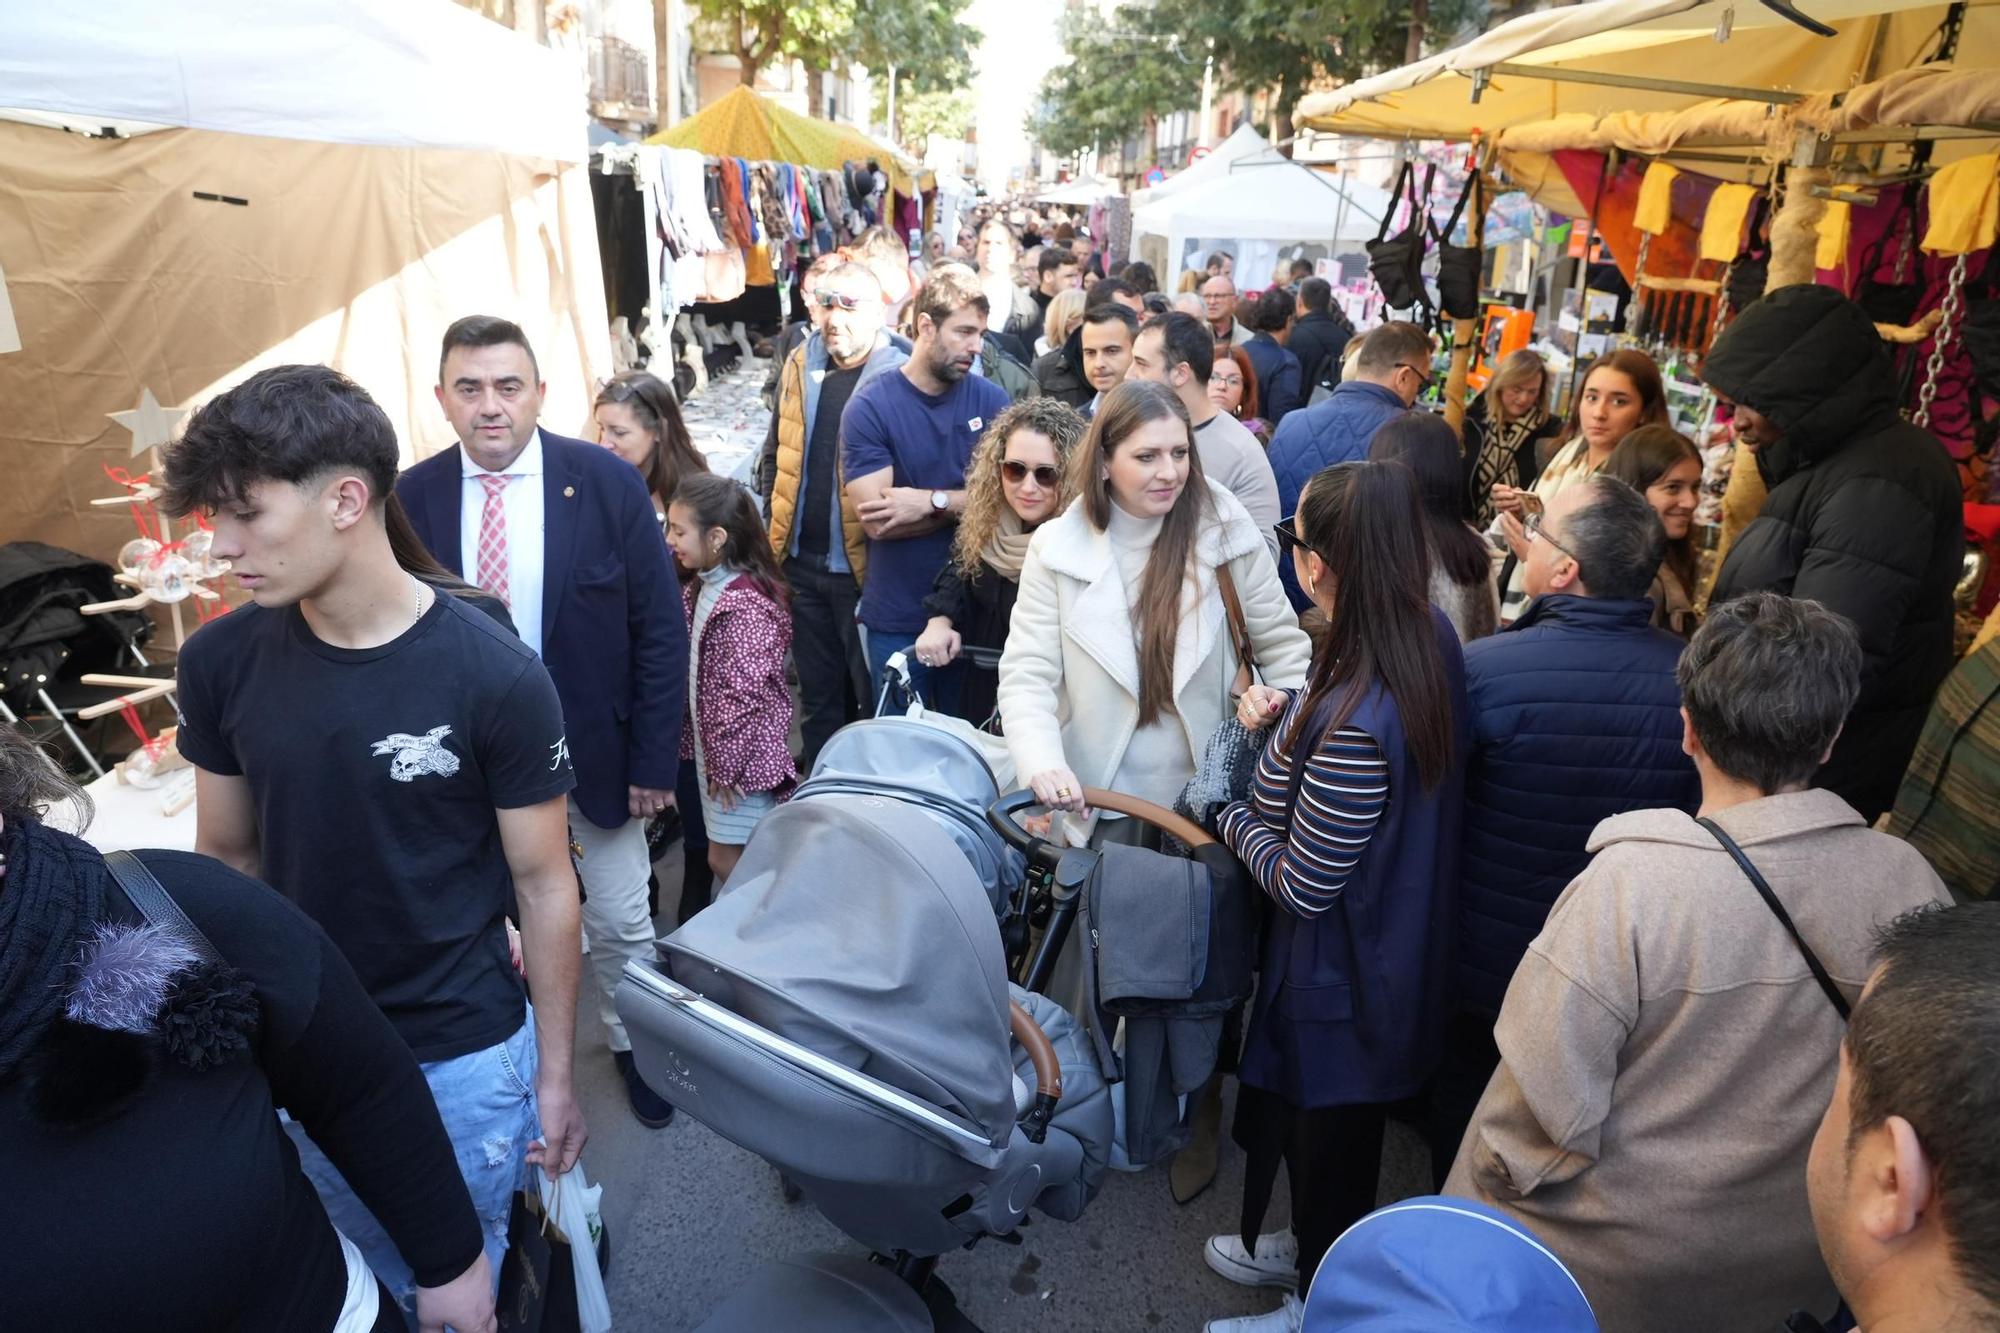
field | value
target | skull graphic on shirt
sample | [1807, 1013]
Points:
[417, 755]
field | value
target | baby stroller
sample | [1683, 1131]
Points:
[842, 1010]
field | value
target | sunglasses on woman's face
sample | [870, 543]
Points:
[1017, 472]
[1288, 535]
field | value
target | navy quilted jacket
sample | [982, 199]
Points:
[1575, 718]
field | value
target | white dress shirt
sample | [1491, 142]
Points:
[525, 534]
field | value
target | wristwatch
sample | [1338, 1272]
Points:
[940, 501]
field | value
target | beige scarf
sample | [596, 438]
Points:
[1007, 547]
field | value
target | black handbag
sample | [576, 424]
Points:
[1763, 888]
[1397, 262]
[1891, 302]
[1459, 265]
[1751, 271]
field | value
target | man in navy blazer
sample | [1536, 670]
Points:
[564, 533]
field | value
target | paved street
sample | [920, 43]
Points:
[693, 1216]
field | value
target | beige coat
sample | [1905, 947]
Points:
[1666, 1057]
[1069, 678]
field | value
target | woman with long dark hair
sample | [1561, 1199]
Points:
[1461, 562]
[1619, 392]
[639, 419]
[1664, 466]
[150, 1182]
[1119, 664]
[1352, 829]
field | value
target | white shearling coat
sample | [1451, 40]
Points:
[1069, 677]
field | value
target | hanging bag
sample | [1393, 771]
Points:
[1892, 302]
[1459, 265]
[1763, 888]
[1398, 261]
[1228, 760]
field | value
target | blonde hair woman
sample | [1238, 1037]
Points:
[1064, 313]
[1019, 479]
[1119, 664]
[1503, 429]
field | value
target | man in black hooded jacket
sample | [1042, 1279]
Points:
[1864, 515]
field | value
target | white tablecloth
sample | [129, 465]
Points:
[127, 818]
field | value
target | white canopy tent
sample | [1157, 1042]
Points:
[1243, 144]
[325, 181]
[1079, 193]
[1263, 213]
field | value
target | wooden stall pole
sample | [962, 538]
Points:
[1465, 332]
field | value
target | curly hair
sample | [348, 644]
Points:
[985, 498]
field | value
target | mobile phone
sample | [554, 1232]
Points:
[1531, 503]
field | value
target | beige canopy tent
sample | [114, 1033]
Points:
[1727, 84]
[1727, 88]
[297, 181]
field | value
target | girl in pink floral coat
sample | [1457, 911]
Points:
[739, 717]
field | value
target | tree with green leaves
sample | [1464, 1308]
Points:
[1286, 46]
[1119, 79]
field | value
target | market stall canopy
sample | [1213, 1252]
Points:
[323, 182]
[390, 73]
[1651, 75]
[744, 123]
[1243, 143]
[1275, 203]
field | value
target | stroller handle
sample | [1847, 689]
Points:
[1048, 1070]
[1040, 852]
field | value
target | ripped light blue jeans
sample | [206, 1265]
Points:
[487, 1101]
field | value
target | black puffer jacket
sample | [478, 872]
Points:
[1864, 516]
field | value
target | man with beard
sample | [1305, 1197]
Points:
[905, 442]
[815, 532]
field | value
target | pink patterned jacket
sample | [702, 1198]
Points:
[740, 699]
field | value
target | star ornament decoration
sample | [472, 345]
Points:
[151, 425]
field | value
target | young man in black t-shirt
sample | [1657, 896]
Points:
[393, 761]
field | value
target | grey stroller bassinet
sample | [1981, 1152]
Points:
[842, 1010]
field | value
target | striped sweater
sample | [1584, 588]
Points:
[1304, 857]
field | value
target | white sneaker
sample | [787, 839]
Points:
[1287, 1318]
[1276, 1263]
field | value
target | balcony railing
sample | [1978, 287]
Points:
[621, 77]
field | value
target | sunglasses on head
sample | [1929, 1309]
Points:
[831, 300]
[1017, 472]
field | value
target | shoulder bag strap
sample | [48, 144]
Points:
[1457, 212]
[1239, 628]
[1757, 882]
[1406, 177]
[147, 894]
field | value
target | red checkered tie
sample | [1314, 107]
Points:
[493, 537]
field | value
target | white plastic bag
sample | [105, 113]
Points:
[570, 1203]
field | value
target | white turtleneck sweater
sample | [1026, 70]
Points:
[1158, 762]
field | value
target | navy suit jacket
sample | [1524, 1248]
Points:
[614, 636]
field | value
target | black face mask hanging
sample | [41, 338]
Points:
[1397, 262]
[1459, 265]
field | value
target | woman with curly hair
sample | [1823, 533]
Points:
[1019, 478]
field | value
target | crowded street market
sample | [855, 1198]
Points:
[931, 665]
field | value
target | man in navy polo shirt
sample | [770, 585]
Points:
[905, 442]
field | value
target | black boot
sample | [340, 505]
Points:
[653, 1110]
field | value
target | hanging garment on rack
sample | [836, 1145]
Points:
[739, 231]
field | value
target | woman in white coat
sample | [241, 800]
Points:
[1119, 663]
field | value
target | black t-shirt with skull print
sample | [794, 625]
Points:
[377, 774]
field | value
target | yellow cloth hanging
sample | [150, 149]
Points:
[1722, 228]
[1656, 197]
[1834, 225]
[1965, 206]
